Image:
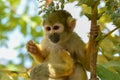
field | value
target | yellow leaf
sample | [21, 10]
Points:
[24, 74]
[101, 59]
[86, 9]
[105, 18]
[107, 45]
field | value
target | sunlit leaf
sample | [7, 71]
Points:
[35, 33]
[36, 19]
[13, 74]
[23, 25]
[86, 9]
[107, 45]
[24, 30]
[2, 8]
[14, 3]
[4, 76]
[88, 2]
[103, 20]
[101, 59]
[26, 18]
[24, 75]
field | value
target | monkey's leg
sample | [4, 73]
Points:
[35, 51]
[41, 72]
[79, 73]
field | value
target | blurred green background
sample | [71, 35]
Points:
[19, 22]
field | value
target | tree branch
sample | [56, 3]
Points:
[93, 44]
[109, 33]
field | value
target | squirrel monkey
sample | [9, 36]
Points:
[58, 32]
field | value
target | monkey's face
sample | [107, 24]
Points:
[54, 32]
[58, 25]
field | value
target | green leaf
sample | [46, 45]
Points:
[88, 2]
[71, 0]
[14, 3]
[36, 34]
[36, 19]
[106, 74]
[99, 36]
[4, 76]
[105, 19]
[117, 69]
[117, 22]
[113, 65]
[24, 30]
[104, 45]
[2, 8]
[85, 9]
[83, 1]
[101, 59]
[23, 26]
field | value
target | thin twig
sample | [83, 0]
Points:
[108, 34]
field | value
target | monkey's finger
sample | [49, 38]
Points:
[34, 47]
[30, 43]
[31, 47]
[32, 51]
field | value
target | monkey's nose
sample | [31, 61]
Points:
[54, 38]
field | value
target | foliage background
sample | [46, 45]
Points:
[19, 19]
[19, 22]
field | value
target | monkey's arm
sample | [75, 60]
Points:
[35, 51]
[85, 59]
[82, 56]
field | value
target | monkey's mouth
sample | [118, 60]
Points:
[54, 38]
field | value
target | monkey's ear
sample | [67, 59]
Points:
[71, 23]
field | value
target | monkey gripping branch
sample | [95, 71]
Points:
[60, 44]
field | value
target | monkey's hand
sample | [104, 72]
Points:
[69, 63]
[63, 67]
[35, 51]
[32, 48]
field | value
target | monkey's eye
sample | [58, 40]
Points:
[55, 27]
[48, 28]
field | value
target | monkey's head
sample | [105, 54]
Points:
[58, 26]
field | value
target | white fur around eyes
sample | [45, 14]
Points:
[59, 30]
